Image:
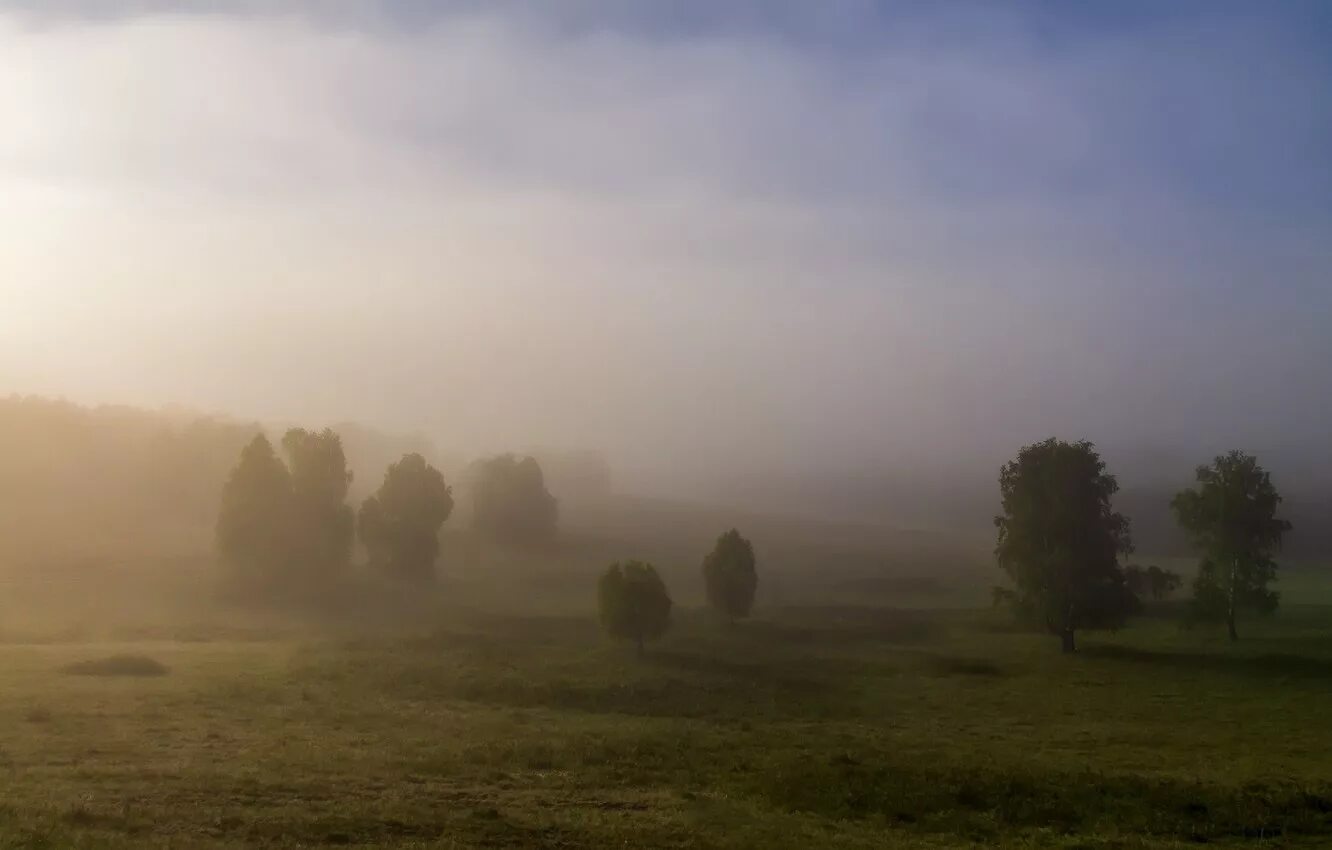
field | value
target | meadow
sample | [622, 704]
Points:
[821, 722]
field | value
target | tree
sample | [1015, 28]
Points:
[510, 500]
[633, 602]
[1151, 581]
[399, 525]
[322, 523]
[730, 577]
[252, 523]
[1231, 518]
[1060, 540]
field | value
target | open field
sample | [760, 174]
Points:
[812, 726]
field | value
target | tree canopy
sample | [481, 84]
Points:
[400, 523]
[1230, 516]
[633, 602]
[1060, 540]
[322, 523]
[510, 500]
[730, 575]
[252, 523]
[287, 524]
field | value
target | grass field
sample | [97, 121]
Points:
[811, 726]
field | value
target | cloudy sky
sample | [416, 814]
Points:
[850, 234]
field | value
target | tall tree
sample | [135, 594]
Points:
[1231, 518]
[633, 602]
[510, 500]
[399, 525]
[1060, 540]
[252, 523]
[322, 523]
[730, 575]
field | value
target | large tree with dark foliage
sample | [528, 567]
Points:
[400, 523]
[1231, 518]
[730, 576]
[510, 500]
[322, 523]
[252, 523]
[633, 603]
[1060, 540]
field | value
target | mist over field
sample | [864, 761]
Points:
[710, 423]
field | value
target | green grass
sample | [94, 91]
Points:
[816, 726]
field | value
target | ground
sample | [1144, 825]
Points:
[813, 725]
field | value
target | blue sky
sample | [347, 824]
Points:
[771, 233]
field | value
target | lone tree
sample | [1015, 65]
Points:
[322, 523]
[510, 500]
[1060, 540]
[730, 577]
[1231, 518]
[252, 524]
[633, 602]
[400, 523]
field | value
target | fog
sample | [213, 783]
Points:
[773, 241]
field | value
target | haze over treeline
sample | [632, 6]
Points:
[839, 260]
[113, 488]
[881, 239]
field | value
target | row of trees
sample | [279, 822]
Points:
[1060, 541]
[634, 604]
[285, 520]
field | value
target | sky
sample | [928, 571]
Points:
[696, 236]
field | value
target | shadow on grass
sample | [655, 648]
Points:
[831, 624]
[951, 665]
[992, 800]
[1275, 666]
[743, 693]
[697, 662]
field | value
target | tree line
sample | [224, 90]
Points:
[285, 521]
[1060, 541]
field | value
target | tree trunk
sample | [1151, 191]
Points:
[1068, 644]
[1230, 607]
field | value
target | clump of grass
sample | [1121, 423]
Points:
[118, 665]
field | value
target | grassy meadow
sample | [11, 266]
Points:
[822, 722]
